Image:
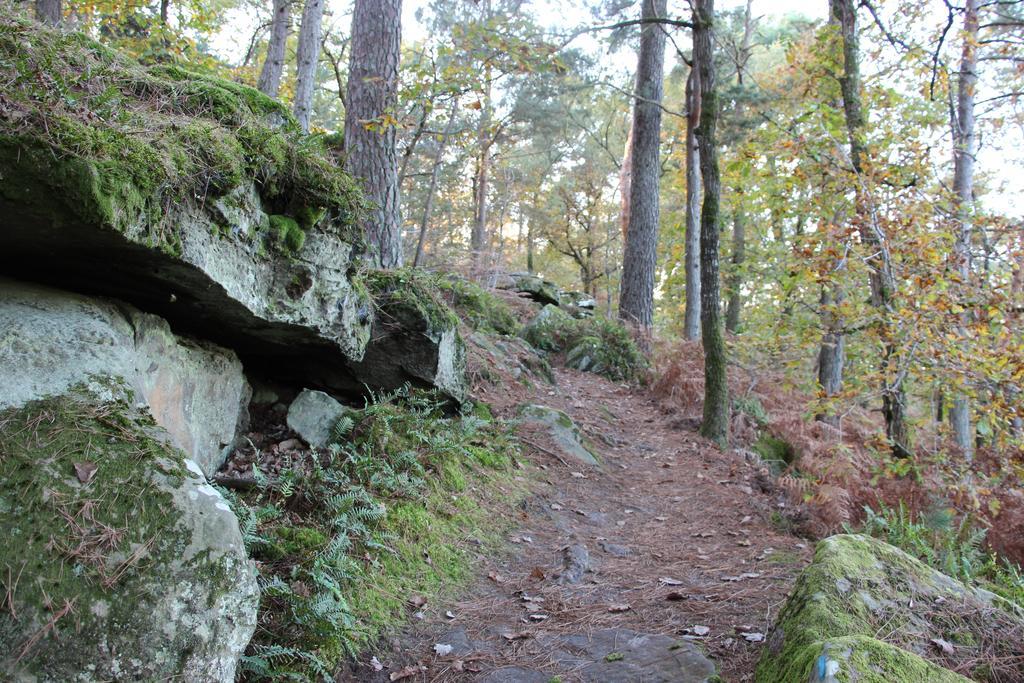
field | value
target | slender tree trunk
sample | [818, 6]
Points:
[691, 319]
[49, 12]
[625, 176]
[844, 14]
[372, 93]
[478, 235]
[435, 174]
[831, 356]
[307, 55]
[273, 66]
[964, 151]
[739, 248]
[716, 390]
[636, 300]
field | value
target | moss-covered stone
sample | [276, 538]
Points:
[866, 611]
[477, 307]
[122, 563]
[594, 344]
[562, 433]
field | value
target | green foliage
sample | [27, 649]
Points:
[287, 233]
[951, 545]
[410, 295]
[595, 344]
[478, 308]
[344, 536]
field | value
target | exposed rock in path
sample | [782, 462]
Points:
[129, 565]
[625, 656]
[859, 589]
[313, 415]
[52, 340]
[562, 432]
[575, 563]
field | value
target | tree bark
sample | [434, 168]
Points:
[964, 151]
[716, 391]
[269, 82]
[636, 299]
[371, 95]
[307, 54]
[625, 175]
[739, 248]
[831, 356]
[691, 318]
[435, 174]
[478, 234]
[49, 12]
[844, 14]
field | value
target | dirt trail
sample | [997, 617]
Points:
[680, 547]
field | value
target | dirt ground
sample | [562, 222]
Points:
[678, 543]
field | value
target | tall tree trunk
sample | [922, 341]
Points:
[844, 14]
[435, 174]
[636, 300]
[691, 318]
[307, 55]
[269, 82]
[716, 390]
[49, 12]
[831, 356]
[372, 93]
[739, 248]
[964, 151]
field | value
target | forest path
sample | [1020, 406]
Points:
[679, 546]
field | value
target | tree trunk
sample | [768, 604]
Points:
[478, 234]
[49, 12]
[716, 391]
[636, 299]
[625, 175]
[739, 248]
[691, 318]
[307, 54]
[435, 174]
[844, 14]
[273, 66]
[964, 151]
[372, 93]
[831, 356]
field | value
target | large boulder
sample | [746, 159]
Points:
[121, 562]
[866, 611]
[415, 337]
[52, 340]
[193, 198]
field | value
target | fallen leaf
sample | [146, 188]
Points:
[668, 581]
[661, 518]
[577, 475]
[753, 637]
[539, 617]
[614, 657]
[703, 534]
[537, 573]
[85, 471]
[450, 614]
[495, 577]
[289, 445]
[745, 544]
[417, 601]
[698, 630]
[407, 672]
[442, 649]
[375, 664]
[518, 635]
[618, 608]
[556, 506]
[945, 647]
[675, 596]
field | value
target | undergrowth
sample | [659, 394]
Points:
[594, 344]
[346, 536]
[952, 545]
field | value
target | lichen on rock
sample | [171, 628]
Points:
[122, 563]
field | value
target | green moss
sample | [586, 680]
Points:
[287, 234]
[774, 451]
[122, 145]
[857, 589]
[411, 297]
[593, 344]
[74, 542]
[477, 307]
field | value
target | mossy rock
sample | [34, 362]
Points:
[478, 308]
[122, 562]
[594, 344]
[415, 337]
[562, 432]
[856, 591]
[191, 197]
